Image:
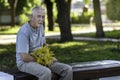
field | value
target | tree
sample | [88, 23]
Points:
[98, 21]
[63, 7]
[10, 5]
[18, 7]
[49, 6]
[3, 4]
[13, 4]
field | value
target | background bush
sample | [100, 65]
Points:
[83, 18]
[23, 18]
[113, 9]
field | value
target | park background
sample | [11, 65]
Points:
[65, 21]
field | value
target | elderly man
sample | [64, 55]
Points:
[30, 37]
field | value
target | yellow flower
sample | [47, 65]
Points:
[43, 56]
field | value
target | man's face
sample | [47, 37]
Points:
[38, 18]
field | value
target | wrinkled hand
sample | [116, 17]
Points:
[45, 44]
[54, 60]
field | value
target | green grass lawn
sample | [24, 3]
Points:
[9, 30]
[7, 56]
[68, 52]
[108, 34]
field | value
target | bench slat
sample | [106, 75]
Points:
[105, 68]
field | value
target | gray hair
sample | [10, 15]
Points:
[37, 8]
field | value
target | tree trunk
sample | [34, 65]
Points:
[64, 20]
[49, 6]
[13, 4]
[69, 6]
[12, 16]
[98, 21]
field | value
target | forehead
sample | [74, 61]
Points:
[39, 12]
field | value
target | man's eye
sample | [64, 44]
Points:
[41, 16]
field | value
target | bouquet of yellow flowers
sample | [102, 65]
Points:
[43, 56]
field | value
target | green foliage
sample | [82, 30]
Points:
[21, 4]
[43, 56]
[83, 18]
[113, 9]
[23, 18]
[3, 4]
[25, 6]
[87, 1]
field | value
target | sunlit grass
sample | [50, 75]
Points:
[108, 34]
[81, 51]
[68, 52]
[114, 33]
[9, 30]
[68, 44]
[2, 50]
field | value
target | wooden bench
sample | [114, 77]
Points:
[83, 70]
[95, 69]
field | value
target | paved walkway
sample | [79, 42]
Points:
[6, 39]
[88, 38]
